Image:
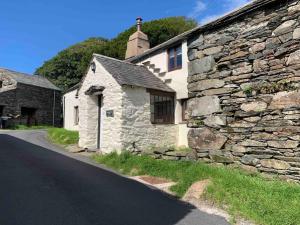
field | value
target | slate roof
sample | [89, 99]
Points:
[33, 80]
[219, 22]
[130, 74]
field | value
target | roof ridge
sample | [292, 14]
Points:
[118, 60]
[29, 79]
[22, 73]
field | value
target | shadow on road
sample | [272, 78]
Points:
[42, 187]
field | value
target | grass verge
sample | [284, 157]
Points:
[62, 136]
[56, 135]
[269, 202]
[24, 127]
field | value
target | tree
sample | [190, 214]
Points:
[68, 66]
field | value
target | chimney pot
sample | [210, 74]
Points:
[139, 23]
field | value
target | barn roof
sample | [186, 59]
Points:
[33, 80]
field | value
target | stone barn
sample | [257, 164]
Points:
[29, 99]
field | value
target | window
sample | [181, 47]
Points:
[162, 107]
[76, 115]
[175, 58]
[184, 110]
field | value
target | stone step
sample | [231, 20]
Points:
[147, 63]
[168, 81]
[156, 70]
[151, 66]
[162, 74]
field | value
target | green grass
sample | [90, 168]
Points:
[269, 202]
[62, 136]
[56, 135]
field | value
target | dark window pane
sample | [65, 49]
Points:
[179, 61]
[172, 63]
[162, 109]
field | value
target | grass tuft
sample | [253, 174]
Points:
[269, 202]
[62, 136]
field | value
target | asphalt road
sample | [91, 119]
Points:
[39, 186]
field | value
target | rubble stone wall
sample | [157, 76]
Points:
[244, 92]
[47, 103]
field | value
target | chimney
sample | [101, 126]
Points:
[138, 42]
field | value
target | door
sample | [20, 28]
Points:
[99, 122]
[1, 110]
[28, 116]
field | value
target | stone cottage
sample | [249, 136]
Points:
[29, 99]
[134, 104]
[236, 91]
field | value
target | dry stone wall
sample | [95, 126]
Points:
[244, 92]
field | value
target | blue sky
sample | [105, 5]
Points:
[32, 31]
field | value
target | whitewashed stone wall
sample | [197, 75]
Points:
[88, 110]
[130, 125]
[136, 124]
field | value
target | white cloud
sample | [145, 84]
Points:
[210, 18]
[228, 6]
[198, 9]
[233, 4]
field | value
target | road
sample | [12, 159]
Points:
[40, 185]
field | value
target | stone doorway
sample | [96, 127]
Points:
[28, 116]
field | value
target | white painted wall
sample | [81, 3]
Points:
[70, 101]
[179, 77]
[112, 100]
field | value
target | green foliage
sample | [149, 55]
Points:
[269, 202]
[270, 87]
[63, 136]
[248, 90]
[68, 66]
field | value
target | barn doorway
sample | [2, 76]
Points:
[28, 116]
[1, 110]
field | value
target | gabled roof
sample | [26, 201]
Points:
[75, 87]
[130, 74]
[33, 80]
[223, 20]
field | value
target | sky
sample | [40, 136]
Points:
[33, 31]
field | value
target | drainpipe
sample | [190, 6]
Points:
[53, 109]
